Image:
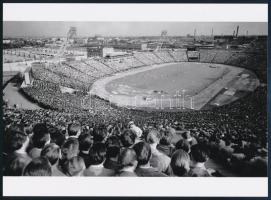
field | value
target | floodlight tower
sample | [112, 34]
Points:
[195, 32]
[237, 29]
[72, 33]
[212, 32]
[162, 39]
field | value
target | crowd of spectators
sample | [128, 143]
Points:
[93, 138]
[235, 135]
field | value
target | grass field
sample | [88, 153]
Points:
[186, 85]
[192, 77]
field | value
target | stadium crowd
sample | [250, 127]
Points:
[93, 138]
[47, 143]
[235, 136]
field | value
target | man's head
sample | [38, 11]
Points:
[152, 137]
[165, 140]
[74, 129]
[41, 135]
[51, 152]
[16, 166]
[112, 152]
[17, 140]
[57, 137]
[97, 153]
[38, 167]
[113, 141]
[180, 162]
[184, 145]
[199, 153]
[127, 138]
[143, 152]
[99, 133]
[130, 124]
[70, 148]
[128, 158]
[186, 135]
[74, 166]
[85, 142]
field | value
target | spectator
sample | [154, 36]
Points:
[57, 137]
[180, 163]
[17, 158]
[85, 143]
[40, 138]
[128, 163]
[127, 138]
[38, 167]
[143, 152]
[99, 133]
[199, 155]
[52, 153]
[184, 145]
[74, 166]
[158, 159]
[69, 149]
[15, 166]
[113, 141]
[17, 144]
[74, 130]
[97, 157]
[187, 136]
[135, 129]
[112, 156]
[165, 145]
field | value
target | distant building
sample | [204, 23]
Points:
[107, 51]
[95, 51]
[6, 41]
[144, 47]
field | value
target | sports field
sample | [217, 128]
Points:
[183, 85]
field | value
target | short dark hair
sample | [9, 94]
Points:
[127, 157]
[113, 141]
[51, 152]
[165, 140]
[112, 152]
[186, 134]
[15, 167]
[38, 167]
[15, 140]
[73, 129]
[97, 153]
[74, 166]
[70, 148]
[85, 142]
[143, 152]
[199, 152]
[183, 144]
[227, 142]
[40, 128]
[127, 138]
[166, 137]
[99, 133]
[40, 135]
[180, 162]
[57, 137]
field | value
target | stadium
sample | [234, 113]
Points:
[215, 96]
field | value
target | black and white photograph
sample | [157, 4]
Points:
[168, 99]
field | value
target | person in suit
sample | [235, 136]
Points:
[128, 163]
[97, 157]
[143, 152]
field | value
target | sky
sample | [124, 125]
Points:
[60, 29]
